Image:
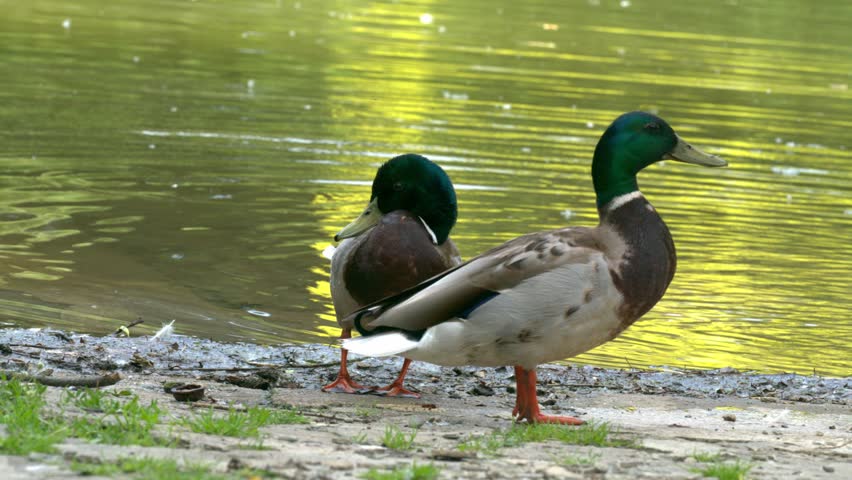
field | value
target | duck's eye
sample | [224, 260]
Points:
[398, 187]
[652, 126]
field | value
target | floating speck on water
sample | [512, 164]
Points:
[507, 106]
[250, 84]
[292, 33]
[791, 144]
[177, 256]
[222, 196]
[173, 109]
[795, 171]
[454, 96]
[66, 24]
[258, 313]
[442, 29]
[778, 140]
[590, 124]
[811, 325]
[625, 3]
[620, 51]
[297, 5]
[152, 146]
[175, 185]
[427, 19]
[135, 59]
[526, 149]
[768, 91]
[848, 211]
[308, 107]
[567, 214]
[789, 198]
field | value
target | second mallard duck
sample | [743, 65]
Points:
[401, 239]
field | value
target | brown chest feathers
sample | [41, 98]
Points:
[397, 254]
[649, 261]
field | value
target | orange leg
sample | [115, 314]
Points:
[344, 383]
[395, 389]
[526, 402]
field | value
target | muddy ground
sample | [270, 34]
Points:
[785, 426]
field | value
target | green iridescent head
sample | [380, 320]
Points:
[632, 142]
[413, 183]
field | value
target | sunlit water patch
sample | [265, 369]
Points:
[161, 163]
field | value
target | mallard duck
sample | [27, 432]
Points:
[401, 239]
[548, 295]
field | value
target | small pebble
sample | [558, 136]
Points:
[729, 417]
[828, 468]
[482, 390]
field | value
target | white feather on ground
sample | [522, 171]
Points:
[164, 333]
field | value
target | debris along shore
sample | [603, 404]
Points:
[656, 423]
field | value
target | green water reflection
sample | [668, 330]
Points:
[190, 160]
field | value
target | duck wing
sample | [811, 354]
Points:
[457, 292]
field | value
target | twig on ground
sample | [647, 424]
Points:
[91, 381]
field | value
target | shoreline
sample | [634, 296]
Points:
[781, 425]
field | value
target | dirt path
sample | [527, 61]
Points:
[784, 426]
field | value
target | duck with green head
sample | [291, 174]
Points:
[548, 295]
[401, 239]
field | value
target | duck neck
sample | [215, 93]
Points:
[648, 262]
[612, 173]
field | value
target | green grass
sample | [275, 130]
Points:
[360, 439]
[367, 412]
[123, 423]
[31, 429]
[396, 439]
[240, 424]
[716, 468]
[707, 457]
[596, 434]
[414, 472]
[146, 468]
[110, 418]
[27, 428]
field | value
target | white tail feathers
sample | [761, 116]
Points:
[380, 345]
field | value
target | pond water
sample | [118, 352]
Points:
[190, 160]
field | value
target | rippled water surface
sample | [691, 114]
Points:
[187, 160]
